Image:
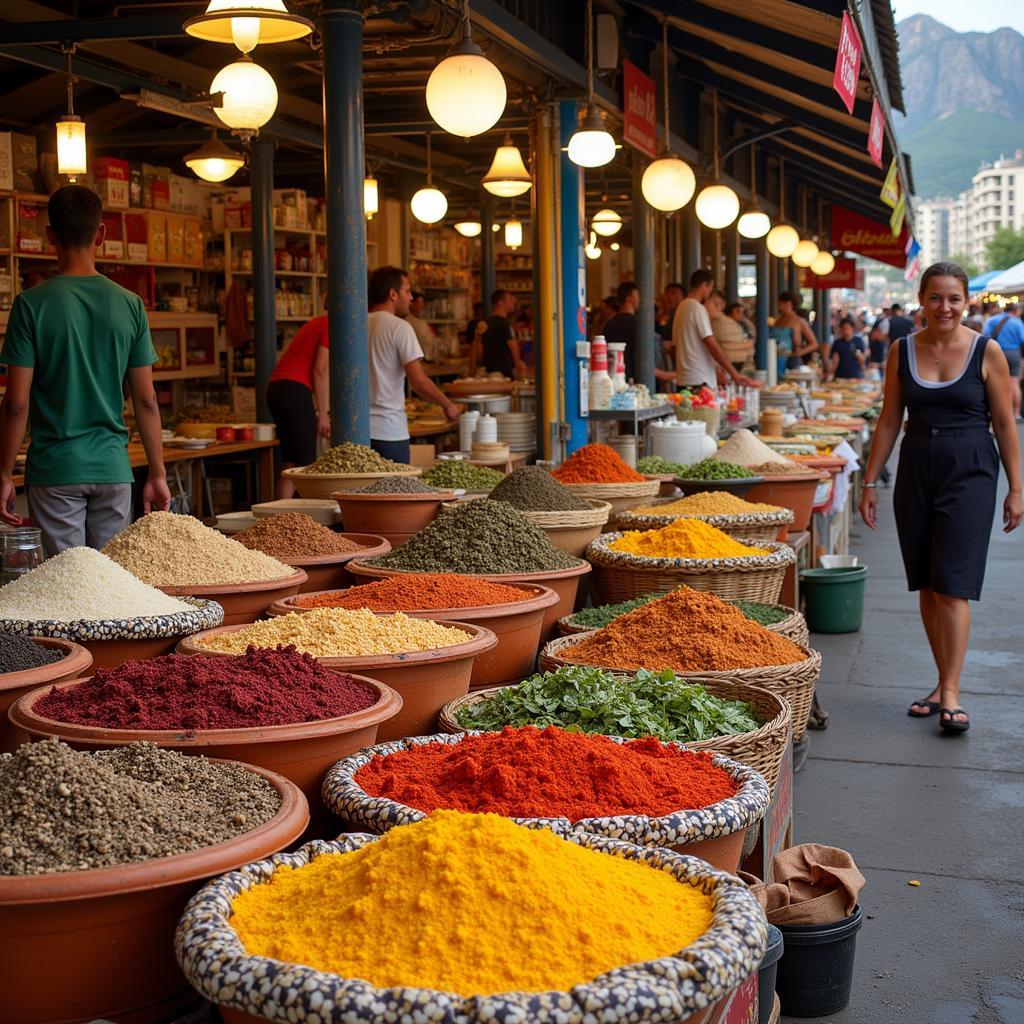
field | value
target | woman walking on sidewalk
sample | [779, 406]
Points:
[953, 384]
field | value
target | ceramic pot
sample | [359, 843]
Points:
[794, 491]
[110, 931]
[517, 626]
[301, 751]
[323, 485]
[13, 685]
[396, 517]
[425, 680]
[242, 602]
[328, 572]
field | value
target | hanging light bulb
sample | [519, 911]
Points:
[805, 253]
[824, 263]
[513, 233]
[717, 206]
[249, 96]
[615, 247]
[469, 228]
[753, 222]
[606, 222]
[782, 240]
[466, 93]
[71, 159]
[429, 204]
[507, 176]
[592, 249]
[247, 23]
[213, 161]
[591, 145]
[371, 197]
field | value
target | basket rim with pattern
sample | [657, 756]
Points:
[600, 552]
[597, 515]
[632, 519]
[630, 489]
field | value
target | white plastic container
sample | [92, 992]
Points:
[467, 425]
[682, 441]
[601, 386]
[617, 361]
[486, 431]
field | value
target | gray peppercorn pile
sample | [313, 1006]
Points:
[533, 489]
[398, 485]
[18, 654]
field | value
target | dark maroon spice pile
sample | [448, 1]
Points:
[260, 687]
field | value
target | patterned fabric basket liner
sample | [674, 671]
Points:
[730, 523]
[661, 991]
[600, 553]
[349, 801]
[205, 615]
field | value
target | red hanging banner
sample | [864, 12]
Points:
[844, 275]
[844, 81]
[641, 123]
[876, 134]
[854, 232]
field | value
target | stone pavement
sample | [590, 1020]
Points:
[911, 804]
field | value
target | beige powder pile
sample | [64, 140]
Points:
[746, 449]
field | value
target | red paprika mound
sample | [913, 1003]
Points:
[596, 464]
[260, 687]
[534, 773]
[418, 592]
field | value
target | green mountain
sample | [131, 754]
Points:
[947, 153]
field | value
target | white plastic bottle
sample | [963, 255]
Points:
[601, 386]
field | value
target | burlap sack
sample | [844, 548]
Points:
[814, 885]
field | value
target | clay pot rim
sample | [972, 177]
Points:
[372, 544]
[296, 579]
[541, 597]
[76, 659]
[209, 861]
[439, 496]
[23, 716]
[358, 567]
[481, 641]
[298, 474]
[797, 478]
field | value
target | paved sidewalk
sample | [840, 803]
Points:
[910, 804]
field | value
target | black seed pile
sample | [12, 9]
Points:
[18, 654]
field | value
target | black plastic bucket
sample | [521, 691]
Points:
[816, 970]
[766, 975]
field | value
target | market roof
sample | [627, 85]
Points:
[981, 281]
[1008, 282]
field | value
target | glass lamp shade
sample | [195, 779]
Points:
[591, 145]
[717, 206]
[593, 251]
[469, 228]
[248, 22]
[754, 223]
[513, 234]
[668, 184]
[429, 205]
[782, 240]
[606, 223]
[71, 146]
[213, 161]
[614, 247]
[824, 263]
[371, 197]
[466, 93]
[805, 253]
[495, 228]
[507, 176]
[249, 95]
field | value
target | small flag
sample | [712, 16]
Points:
[912, 248]
[890, 193]
[913, 269]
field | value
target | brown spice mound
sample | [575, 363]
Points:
[687, 631]
[295, 535]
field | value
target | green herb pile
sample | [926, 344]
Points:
[591, 700]
[712, 469]
[452, 474]
[595, 618]
[534, 489]
[354, 458]
[763, 614]
[655, 465]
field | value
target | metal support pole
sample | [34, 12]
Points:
[763, 299]
[341, 26]
[781, 277]
[691, 244]
[545, 327]
[487, 277]
[264, 313]
[643, 258]
[731, 242]
[793, 277]
[826, 319]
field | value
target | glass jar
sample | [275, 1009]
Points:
[22, 552]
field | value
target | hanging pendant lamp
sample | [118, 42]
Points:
[513, 233]
[248, 96]
[507, 176]
[71, 157]
[247, 23]
[606, 222]
[371, 197]
[824, 263]
[214, 161]
[429, 204]
[783, 238]
[753, 222]
[469, 228]
[806, 251]
[717, 206]
[591, 145]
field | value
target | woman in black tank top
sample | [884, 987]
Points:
[954, 386]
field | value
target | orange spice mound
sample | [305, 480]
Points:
[687, 631]
[417, 592]
[596, 464]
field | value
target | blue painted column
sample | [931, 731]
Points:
[341, 26]
[487, 275]
[763, 302]
[574, 277]
[643, 259]
[692, 256]
[263, 307]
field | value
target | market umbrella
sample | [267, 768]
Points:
[982, 282]
[1009, 281]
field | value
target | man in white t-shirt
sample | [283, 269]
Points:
[698, 354]
[394, 355]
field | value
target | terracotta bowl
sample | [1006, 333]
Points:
[242, 602]
[328, 572]
[323, 485]
[13, 685]
[789, 490]
[742, 487]
[301, 752]
[517, 626]
[396, 517]
[111, 930]
[564, 582]
[425, 680]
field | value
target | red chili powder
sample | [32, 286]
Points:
[419, 591]
[534, 773]
[260, 687]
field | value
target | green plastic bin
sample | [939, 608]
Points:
[835, 598]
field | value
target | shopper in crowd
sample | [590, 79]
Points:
[878, 341]
[954, 386]
[975, 319]
[424, 332]
[849, 353]
[72, 344]
[671, 299]
[477, 322]
[621, 328]
[698, 354]
[793, 336]
[900, 325]
[728, 324]
[500, 347]
[395, 355]
[1007, 329]
[300, 378]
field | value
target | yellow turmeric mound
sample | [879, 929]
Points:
[704, 503]
[685, 538]
[472, 904]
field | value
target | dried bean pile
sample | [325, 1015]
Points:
[294, 535]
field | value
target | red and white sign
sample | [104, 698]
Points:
[844, 81]
[844, 275]
[876, 134]
[853, 232]
[641, 125]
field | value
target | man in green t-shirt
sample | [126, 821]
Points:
[72, 344]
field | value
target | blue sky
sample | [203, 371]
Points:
[976, 16]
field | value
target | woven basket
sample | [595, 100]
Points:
[619, 576]
[619, 496]
[762, 749]
[596, 515]
[756, 527]
[794, 682]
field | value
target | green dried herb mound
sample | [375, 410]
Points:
[454, 474]
[591, 700]
[655, 465]
[763, 614]
[534, 489]
[596, 618]
[712, 469]
[354, 458]
[478, 537]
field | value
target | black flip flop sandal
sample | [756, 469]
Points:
[947, 723]
[931, 705]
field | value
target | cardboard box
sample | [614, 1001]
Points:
[135, 184]
[31, 227]
[111, 176]
[156, 237]
[237, 215]
[243, 401]
[193, 242]
[175, 239]
[161, 194]
[136, 237]
[6, 162]
[113, 243]
[25, 162]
